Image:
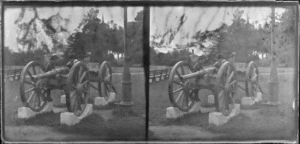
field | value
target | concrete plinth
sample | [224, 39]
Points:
[101, 101]
[174, 112]
[63, 99]
[211, 99]
[258, 97]
[71, 119]
[218, 119]
[112, 97]
[25, 112]
[248, 101]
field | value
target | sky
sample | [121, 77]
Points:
[200, 19]
[75, 14]
[161, 19]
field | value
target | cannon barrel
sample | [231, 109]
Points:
[52, 72]
[198, 73]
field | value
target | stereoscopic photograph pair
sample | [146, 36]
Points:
[124, 71]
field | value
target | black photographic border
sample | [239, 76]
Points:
[146, 29]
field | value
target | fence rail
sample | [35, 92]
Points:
[159, 75]
[12, 73]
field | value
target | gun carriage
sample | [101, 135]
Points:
[223, 80]
[76, 80]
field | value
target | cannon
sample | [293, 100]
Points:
[185, 82]
[37, 82]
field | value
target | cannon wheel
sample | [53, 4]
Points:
[179, 93]
[105, 77]
[77, 91]
[33, 91]
[226, 87]
[252, 76]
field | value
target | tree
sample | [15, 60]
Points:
[135, 39]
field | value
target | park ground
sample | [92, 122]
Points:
[254, 123]
[257, 122]
[104, 124]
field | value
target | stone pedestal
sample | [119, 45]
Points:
[174, 112]
[25, 112]
[101, 101]
[218, 119]
[211, 99]
[112, 97]
[63, 99]
[248, 101]
[71, 119]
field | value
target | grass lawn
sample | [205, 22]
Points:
[258, 122]
[130, 126]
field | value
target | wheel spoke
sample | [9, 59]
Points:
[85, 82]
[182, 70]
[30, 97]
[178, 83]
[184, 101]
[79, 99]
[38, 100]
[31, 83]
[177, 90]
[179, 76]
[73, 101]
[106, 88]
[30, 75]
[221, 99]
[253, 89]
[80, 72]
[82, 76]
[34, 99]
[29, 90]
[179, 96]
[34, 70]
[233, 82]
[230, 77]
[228, 71]
[93, 86]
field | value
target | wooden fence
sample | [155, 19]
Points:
[159, 75]
[12, 73]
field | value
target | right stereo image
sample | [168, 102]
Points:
[223, 73]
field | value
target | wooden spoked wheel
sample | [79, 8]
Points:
[226, 87]
[252, 76]
[105, 77]
[78, 88]
[180, 93]
[33, 91]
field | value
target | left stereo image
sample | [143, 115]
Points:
[72, 73]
